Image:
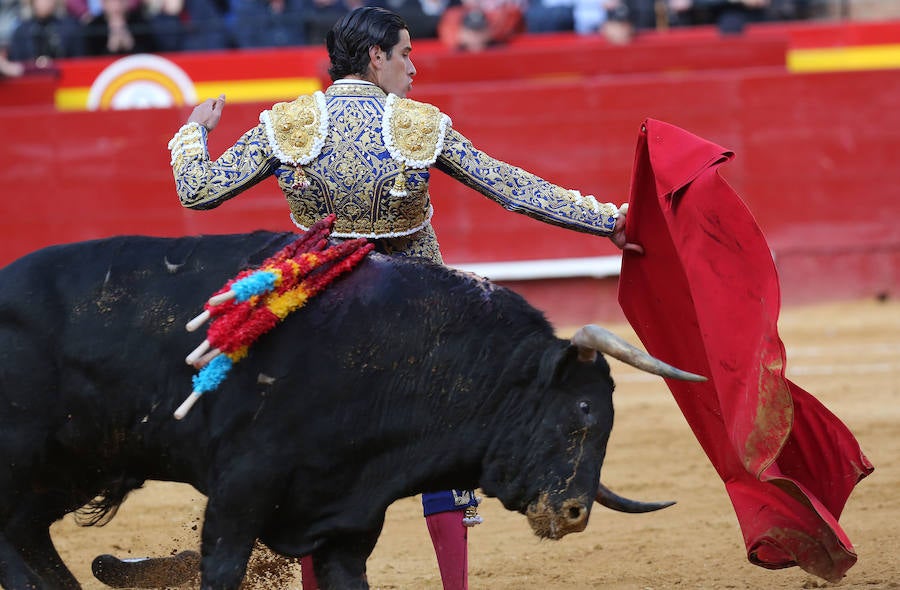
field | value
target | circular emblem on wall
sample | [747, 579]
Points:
[141, 81]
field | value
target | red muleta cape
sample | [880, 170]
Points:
[705, 297]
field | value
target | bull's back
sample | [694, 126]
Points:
[92, 333]
[99, 296]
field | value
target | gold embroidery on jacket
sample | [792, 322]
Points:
[298, 128]
[204, 184]
[354, 173]
[415, 131]
[518, 190]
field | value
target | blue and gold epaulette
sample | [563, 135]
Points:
[297, 130]
[413, 133]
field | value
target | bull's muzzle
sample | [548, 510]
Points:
[551, 522]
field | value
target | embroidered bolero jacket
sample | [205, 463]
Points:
[366, 157]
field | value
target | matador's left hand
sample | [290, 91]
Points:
[208, 112]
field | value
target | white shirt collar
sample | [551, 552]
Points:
[353, 81]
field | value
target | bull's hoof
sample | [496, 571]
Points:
[146, 572]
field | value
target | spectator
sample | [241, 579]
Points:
[617, 27]
[10, 17]
[549, 16]
[10, 12]
[268, 23]
[188, 25]
[10, 69]
[206, 25]
[164, 18]
[612, 18]
[478, 24]
[86, 10]
[119, 30]
[437, 7]
[48, 34]
[796, 9]
[730, 16]
[589, 16]
[642, 14]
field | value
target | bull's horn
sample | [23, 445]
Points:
[613, 501]
[595, 338]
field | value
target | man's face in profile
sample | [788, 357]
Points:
[394, 74]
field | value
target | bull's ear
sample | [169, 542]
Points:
[586, 354]
[552, 365]
[557, 364]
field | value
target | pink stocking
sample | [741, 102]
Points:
[307, 574]
[450, 537]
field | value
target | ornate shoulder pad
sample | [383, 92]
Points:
[297, 130]
[413, 131]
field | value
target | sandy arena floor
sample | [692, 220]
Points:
[847, 355]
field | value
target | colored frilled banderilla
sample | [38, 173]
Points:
[253, 302]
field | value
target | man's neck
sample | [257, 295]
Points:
[353, 80]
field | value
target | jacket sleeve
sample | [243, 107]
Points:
[204, 184]
[523, 192]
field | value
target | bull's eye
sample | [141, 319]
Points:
[585, 407]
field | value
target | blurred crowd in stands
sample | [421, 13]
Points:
[33, 33]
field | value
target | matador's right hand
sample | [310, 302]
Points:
[208, 112]
[618, 235]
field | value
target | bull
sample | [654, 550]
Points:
[403, 377]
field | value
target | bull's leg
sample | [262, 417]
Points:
[14, 571]
[29, 531]
[225, 552]
[43, 558]
[341, 562]
[235, 513]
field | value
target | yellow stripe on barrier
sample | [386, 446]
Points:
[836, 59]
[266, 90]
[71, 99]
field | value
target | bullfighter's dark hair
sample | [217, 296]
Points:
[348, 42]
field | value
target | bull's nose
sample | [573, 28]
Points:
[575, 514]
[555, 522]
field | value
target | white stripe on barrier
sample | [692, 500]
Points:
[867, 349]
[597, 267]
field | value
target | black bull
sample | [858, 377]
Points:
[402, 377]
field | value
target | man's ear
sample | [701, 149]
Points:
[375, 56]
